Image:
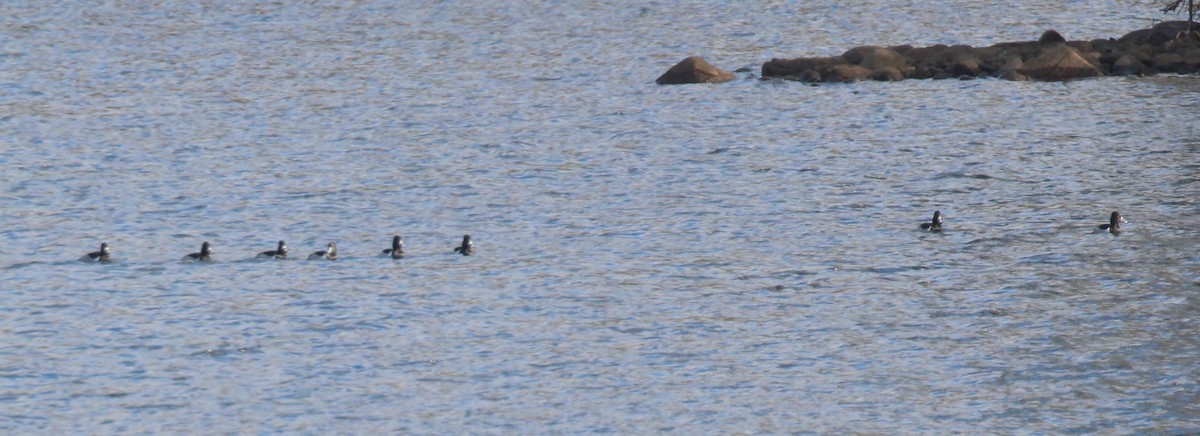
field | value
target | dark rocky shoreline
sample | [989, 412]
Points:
[1168, 47]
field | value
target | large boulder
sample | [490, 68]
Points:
[956, 53]
[1191, 58]
[965, 66]
[887, 75]
[1168, 62]
[694, 69]
[1111, 57]
[800, 68]
[884, 64]
[846, 73]
[1128, 65]
[1014, 76]
[1051, 36]
[1142, 53]
[1010, 69]
[923, 57]
[943, 62]
[1108, 50]
[1021, 49]
[958, 61]
[1160, 34]
[1182, 45]
[1059, 62]
[875, 58]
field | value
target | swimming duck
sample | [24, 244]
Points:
[936, 224]
[280, 252]
[204, 255]
[1113, 226]
[98, 256]
[467, 248]
[330, 253]
[397, 250]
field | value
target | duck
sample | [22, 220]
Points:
[280, 252]
[397, 250]
[934, 225]
[1113, 226]
[204, 255]
[467, 248]
[330, 252]
[98, 256]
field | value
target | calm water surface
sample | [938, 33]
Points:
[741, 258]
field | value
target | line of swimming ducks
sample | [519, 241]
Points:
[1113, 226]
[467, 248]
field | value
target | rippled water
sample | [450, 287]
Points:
[724, 259]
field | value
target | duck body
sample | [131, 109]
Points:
[467, 248]
[205, 254]
[1114, 224]
[103, 255]
[280, 252]
[397, 250]
[934, 225]
[330, 253]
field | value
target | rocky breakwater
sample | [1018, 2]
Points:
[1168, 47]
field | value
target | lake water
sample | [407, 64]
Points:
[737, 258]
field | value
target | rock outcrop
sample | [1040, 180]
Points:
[694, 69]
